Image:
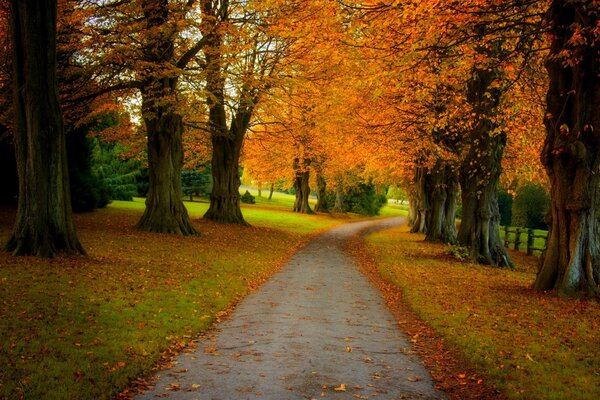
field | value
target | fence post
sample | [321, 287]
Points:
[517, 238]
[506, 233]
[530, 242]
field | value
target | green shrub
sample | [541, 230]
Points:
[196, 183]
[530, 206]
[505, 202]
[88, 190]
[461, 253]
[248, 198]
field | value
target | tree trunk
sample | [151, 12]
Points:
[271, 189]
[226, 142]
[420, 205]
[165, 212]
[482, 164]
[480, 223]
[440, 190]
[301, 186]
[571, 262]
[321, 205]
[44, 224]
[338, 206]
[225, 195]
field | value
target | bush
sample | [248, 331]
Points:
[505, 202]
[530, 206]
[459, 252]
[248, 198]
[196, 183]
[124, 178]
[88, 190]
[360, 199]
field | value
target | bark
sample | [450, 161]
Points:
[338, 206]
[571, 262]
[271, 189]
[44, 225]
[441, 188]
[226, 141]
[419, 201]
[225, 195]
[321, 205]
[480, 173]
[165, 212]
[301, 187]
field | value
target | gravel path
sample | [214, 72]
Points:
[316, 326]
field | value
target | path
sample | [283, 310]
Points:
[314, 326]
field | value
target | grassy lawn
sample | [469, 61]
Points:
[538, 242]
[528, 345]
[86, 327]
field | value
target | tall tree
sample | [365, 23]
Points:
[571, 262]
[44, 224]
[147, 46]
[240, 53]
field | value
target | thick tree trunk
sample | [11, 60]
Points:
[441, 187]
[338, 206]
[480, 223]
[271, 190]
[321, 205]
[571, 262]
[44, 225]
[226, 141]
[165, 212]
[301, 187]
[225, 195]
[419, 200]
[482, 164]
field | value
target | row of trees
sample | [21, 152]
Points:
[435, 94]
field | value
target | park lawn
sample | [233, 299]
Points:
[529, 345]
[87, 327]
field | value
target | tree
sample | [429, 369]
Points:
[242, 52]
[147, 46]
[571, 262]
[44, 224]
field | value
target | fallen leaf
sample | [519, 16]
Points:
[341, 388]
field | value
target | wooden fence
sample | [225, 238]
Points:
[516, 241]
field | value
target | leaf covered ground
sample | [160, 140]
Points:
[87, 327]
[484, 332]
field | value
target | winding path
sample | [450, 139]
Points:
[316, 326]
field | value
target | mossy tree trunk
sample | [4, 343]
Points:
[321, 205]
[301, 186]
[226, 141]
[571, 262]
[338, 205]
[441, 190]
[165, 212]
[419, 201]
[480, 170]
[44, 224]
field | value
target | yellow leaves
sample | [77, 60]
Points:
[341, 388]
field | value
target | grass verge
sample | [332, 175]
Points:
[526, 344]
[88, 327]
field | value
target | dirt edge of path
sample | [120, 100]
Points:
[448, 368]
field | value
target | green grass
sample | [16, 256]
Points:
[86, 327]
[394, 210]
[538, 242]
[529, 345]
